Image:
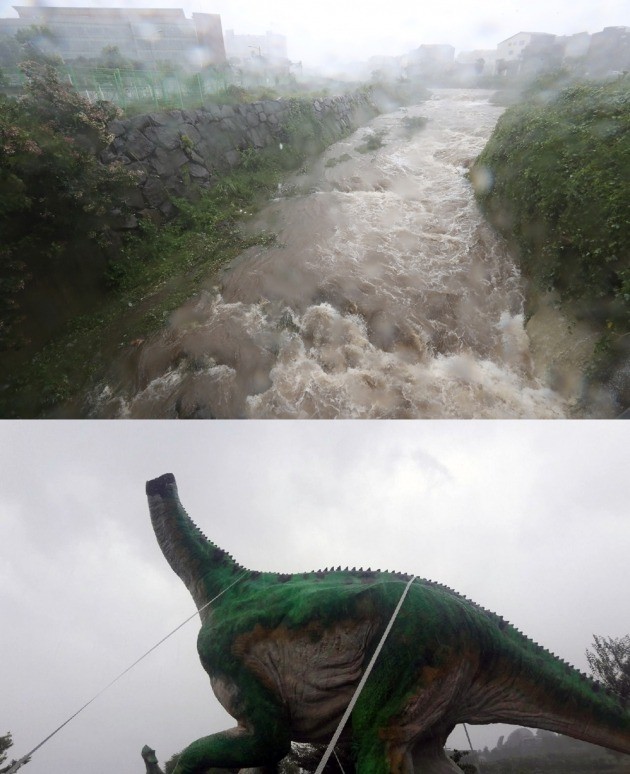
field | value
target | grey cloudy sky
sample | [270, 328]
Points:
[529, 519]
[331, 32]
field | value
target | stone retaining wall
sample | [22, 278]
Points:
[180, 151]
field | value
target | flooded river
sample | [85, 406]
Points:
[385, 295]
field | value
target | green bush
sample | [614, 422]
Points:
[307, 134]
[373, 141]
[555, 180]
[414, 123]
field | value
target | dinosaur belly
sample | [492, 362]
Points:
[313, 671]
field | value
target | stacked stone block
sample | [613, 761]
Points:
[179, 152]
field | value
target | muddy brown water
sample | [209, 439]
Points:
[386, 295]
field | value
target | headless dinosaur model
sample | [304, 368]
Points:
[285, 654]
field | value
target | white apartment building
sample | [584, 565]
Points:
[512, 48]
[147, 35]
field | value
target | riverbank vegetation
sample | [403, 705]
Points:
[554, 180]
[76, 285]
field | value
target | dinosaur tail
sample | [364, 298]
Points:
[204, 568]
[545, 692]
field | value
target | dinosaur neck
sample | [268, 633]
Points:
[205, 569]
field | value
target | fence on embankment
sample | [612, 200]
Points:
[148, 89]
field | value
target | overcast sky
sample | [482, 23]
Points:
[530, 519]
[326, 32]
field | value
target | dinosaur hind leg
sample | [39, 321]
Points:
[376, 757]
[425, 756]
[428, 757]
[407, 741]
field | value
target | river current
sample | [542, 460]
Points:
[385, 295]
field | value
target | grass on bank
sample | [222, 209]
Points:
[155, 273]
[554, 179]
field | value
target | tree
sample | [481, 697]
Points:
[11, 52]
[112, 58]
[6, 742]
[55, 195]
[27, 44]
[610, 662]
[37, 43]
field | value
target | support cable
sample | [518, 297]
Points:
[366, 674]
[472, 749]
[339, 762]
[25, 758]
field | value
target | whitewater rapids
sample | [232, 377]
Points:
[385, 295]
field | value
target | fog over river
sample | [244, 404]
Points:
[385, 295]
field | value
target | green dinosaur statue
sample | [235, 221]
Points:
[285, 654]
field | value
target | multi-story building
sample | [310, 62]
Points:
[513, 47]
[433, 54]
[271, 46]
[147, 35]
[525, 51]
[386, 66]
[609, 51]
[483, 61]
[575, 46]
[598, 55]
[430, 59]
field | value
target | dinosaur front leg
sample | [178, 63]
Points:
[238, 748]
